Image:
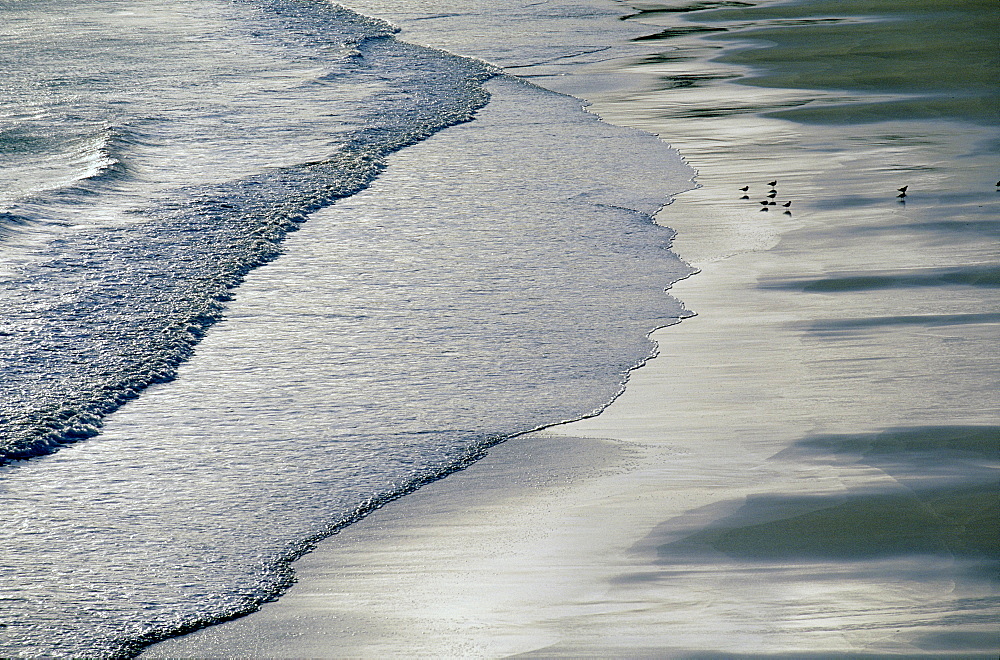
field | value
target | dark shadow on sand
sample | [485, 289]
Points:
[975, 276]
[943, 499]
[842, 326]
[957, 522]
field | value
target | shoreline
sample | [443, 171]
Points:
[808, 466]
[553, 544]
[408, 163]
[695, 516]
[581, 540]
[525, 547]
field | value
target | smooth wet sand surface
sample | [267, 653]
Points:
[807, 469]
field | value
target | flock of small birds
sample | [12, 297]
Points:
[771, 195]
[773, 192]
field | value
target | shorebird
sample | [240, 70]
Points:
[745, 197]
[903, 189]
[764, 202]
[745, 188]
[787, 204]
[763, 208]
[773, 183]
[902, 194]
[773, 194]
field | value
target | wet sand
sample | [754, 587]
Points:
[807, 469]
[570, 542]
[656, 529]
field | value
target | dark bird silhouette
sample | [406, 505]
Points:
[745, 197]
[902, 194]
[998, 184]
[772, 194]
[763, 208]
[764, 202]
[903, 189]
[787, 204]
[745, 188]
[772, 203]
[773, 183]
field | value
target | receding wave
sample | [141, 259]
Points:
[492, 281]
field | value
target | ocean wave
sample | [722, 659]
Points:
[103, 155]
[523, 273]
[10, 220]
[174, 271]
[63, 169]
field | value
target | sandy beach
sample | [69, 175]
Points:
[553, 545]
[294, 291]
[803, 470]
[545, 547]
[565, 543]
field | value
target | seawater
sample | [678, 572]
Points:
[173, 438]
[157, 221]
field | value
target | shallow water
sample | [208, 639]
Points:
[874, 371]
[888, 60]
[509, 283]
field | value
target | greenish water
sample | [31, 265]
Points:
[950, 522]
[944, 503]
[869, 317]
[982, 276]
[938, 59]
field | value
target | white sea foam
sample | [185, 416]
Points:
[505, 283]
